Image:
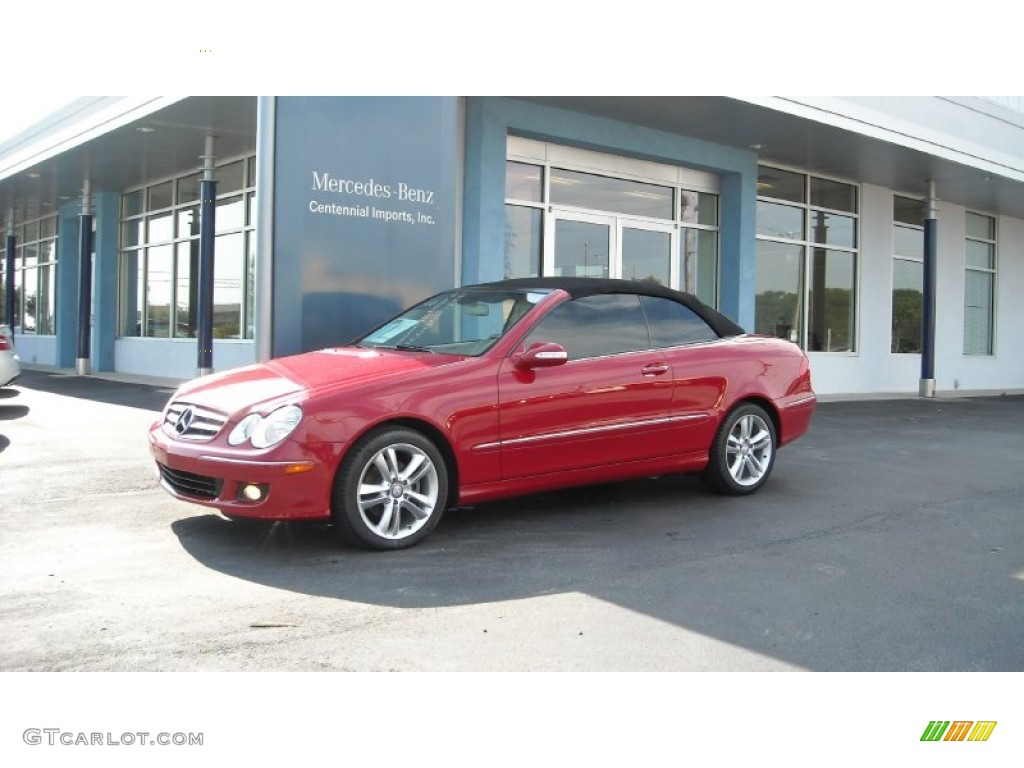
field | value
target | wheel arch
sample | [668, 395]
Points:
[428, 430]
[767, 406]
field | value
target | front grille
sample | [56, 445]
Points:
[192, 485]
[193, 421]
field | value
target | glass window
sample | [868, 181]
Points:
[907, 210]
[188, 189]
[524, 182]
[806, 292]
[908, 242]
[160, 196]
[186, 290]
[131, 289]
[831, 301]
[980, 255]
[250, 282]
[132, 233]
[907, 305]
[978, 296]
[230, 214]
[160, 228]
[775, 220]
[523, 239]
[698, 208]
[595, 326]
[979, 285]
[229, 273]
[132, 203]
[646, 255]
[700, 253]
[34, 278]
[781, 185]
[832, 229]
[46, 307]
[981, 227]
[671, 324]
[603, 193]
[779, 290]
[833, 194]
[230, 177]
[188, 222]
[159, 267]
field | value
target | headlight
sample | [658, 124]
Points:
[275, 428]
[243, 431]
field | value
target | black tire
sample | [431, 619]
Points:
[391, 490]
[743, 452]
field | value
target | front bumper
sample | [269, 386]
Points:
[295, 484]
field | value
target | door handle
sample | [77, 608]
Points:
[654, 369]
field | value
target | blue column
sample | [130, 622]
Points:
[106, 221]
[84, 348]
[207, 212]
[927, 383]
[9, 282]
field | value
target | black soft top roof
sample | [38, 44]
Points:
[577, 287]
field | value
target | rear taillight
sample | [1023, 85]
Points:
[4, 344]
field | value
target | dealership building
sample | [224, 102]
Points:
[168, 236]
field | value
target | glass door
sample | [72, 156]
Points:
[587, 245]
[646, 252]
[580, 245]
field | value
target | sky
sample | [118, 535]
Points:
[406, 47]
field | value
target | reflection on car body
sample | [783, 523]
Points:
[485, 392]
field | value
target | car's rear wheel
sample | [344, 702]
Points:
[391, 490]
[743, 452]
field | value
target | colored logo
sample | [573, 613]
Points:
[958, 730]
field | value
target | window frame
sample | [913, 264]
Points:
[684, 180]
[809, 246]
[897, 256]
[133, 276]
[34, 234]
[993, 273]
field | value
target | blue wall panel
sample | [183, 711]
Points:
[363, 213]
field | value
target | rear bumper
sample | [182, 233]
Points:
[795, 416]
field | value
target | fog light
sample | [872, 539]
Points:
[252, 492]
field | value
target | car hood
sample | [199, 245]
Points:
[299, 376]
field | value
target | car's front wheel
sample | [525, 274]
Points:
[743, 452]
[392, 489]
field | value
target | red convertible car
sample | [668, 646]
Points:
[484, 392]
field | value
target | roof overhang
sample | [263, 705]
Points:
[861, 140]
[117, 143]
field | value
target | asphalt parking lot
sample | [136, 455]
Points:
[890, 538]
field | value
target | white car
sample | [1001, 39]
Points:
[9, 367]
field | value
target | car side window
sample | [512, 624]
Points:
[595, 326]
[673, 324]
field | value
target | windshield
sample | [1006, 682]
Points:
[458, 322]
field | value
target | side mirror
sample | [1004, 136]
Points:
[545, 354]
